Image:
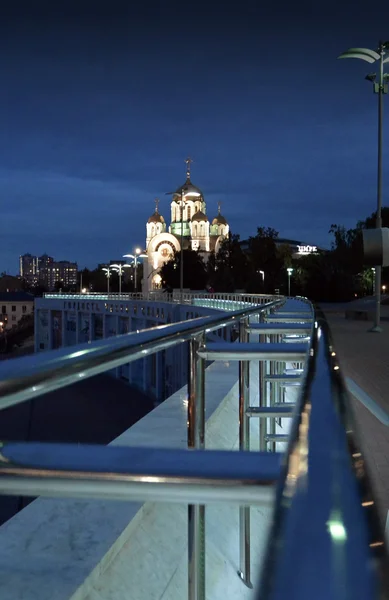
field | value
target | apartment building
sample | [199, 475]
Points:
[14, 306]
[49, 273]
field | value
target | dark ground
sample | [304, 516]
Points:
[96, 410]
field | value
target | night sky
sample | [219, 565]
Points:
[101, 103]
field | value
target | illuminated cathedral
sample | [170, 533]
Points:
[189, 225]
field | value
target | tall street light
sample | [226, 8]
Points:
[119, 269]
[290, 271]
[107, 271]
[380, 87]
[135, 257]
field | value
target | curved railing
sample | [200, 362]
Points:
[325, 542]
[163, 296]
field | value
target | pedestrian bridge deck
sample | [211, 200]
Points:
[101, 549]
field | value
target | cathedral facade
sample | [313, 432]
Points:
[189, 226]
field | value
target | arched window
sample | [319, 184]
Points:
[188, 212]
[195, 230]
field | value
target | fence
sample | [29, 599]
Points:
[325, 535]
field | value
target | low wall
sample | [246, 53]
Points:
[60, 549]
[98, 550]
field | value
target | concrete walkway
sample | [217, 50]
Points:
[364, 359]
[93, 411]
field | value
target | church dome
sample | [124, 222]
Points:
[199, 216]
[219, 220]
[189, 190]
[156, 218]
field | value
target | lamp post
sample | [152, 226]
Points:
[188, 190]
[107, 271]
[290, 271]
[182, 204]
[119, 269]
[380, 88]
[182, 246]
[135, 257]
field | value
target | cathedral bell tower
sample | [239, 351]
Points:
[155, 225]
[188, 212]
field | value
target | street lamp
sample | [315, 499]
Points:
[290, 271]
[380, 88]
[186, 192]
[107, 271]
[135, 257]
[119, 269]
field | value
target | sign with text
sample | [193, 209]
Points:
[306, 249]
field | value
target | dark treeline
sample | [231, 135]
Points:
[334, 275]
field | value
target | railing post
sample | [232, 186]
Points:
[262, 394]
[244, 444]
[196, 435]
[273, 371]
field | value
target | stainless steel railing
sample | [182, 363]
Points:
[175, 297]
[325, 513]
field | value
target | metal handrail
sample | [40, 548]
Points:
[325, 534]
[325, 518]
[38, 374]
[161, 296]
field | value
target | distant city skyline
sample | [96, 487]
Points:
[102, 104]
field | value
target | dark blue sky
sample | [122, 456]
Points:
[100, 106]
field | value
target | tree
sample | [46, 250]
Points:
[228, 270]
[265, 261]
[195, 273]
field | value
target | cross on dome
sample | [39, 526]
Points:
[156, 204]
[188, 163]
[219, 207]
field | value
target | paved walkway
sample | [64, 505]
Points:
[93, 411]
[364, 357]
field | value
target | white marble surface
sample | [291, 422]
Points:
[153, 564]
[100, 550]
[57, 549]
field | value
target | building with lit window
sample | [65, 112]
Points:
[298, 249]
[29, 269]
[47, 272]
[13, 307]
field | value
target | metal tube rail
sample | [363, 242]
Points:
[141, 474]
[283, 328]
[267, 351]
[196, 439]
[244, 445]
[38, 374]
[325, 514]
